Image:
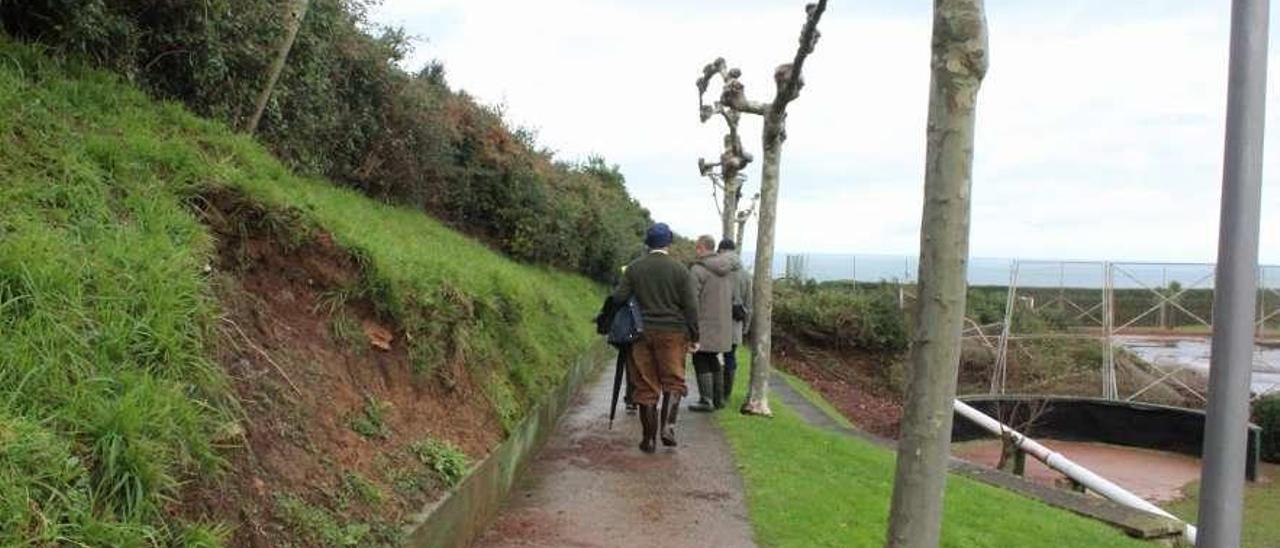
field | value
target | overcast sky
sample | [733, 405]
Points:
[1100, 123]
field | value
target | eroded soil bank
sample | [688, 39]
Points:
[335, 417]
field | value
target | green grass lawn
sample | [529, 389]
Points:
[109, 401]
[810, 487]
[1261, 508]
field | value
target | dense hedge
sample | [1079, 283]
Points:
[1266, 413]
[841, 317]
[344, 109]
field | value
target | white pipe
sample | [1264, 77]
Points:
[1058, 462]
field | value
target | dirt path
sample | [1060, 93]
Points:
[592, 487]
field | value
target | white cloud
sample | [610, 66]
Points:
[1099, 130]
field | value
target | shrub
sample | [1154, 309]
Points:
[1266, 413]
[344, 109]
[836, 317]
[443, 457]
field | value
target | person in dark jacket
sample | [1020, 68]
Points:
[713, 284]
[664, 291]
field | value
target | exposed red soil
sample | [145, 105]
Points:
[854, 382]
[276, 334]
[1157, 476]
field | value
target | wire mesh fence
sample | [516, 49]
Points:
[1141, 328]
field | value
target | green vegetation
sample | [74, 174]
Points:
[369, 421]
[316, 526]
[356, 487]
[1266, 414]
[444, 458]
[1261, 506]
[810, 487]
[109, 400]
[344, 109]
[346, 331]
[840, 316]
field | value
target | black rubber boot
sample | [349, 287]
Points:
[649, 425]
[670, 409]
[705, 386]
[728, 384]
[717, 389]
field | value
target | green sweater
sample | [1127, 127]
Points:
[664, 290]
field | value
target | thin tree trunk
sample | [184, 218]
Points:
[740, 234]
[293, 22]
[762, 284]
[729, 213]
[959, 62]
[789, 80]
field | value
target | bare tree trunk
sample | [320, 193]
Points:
[293, 22]
[729, 214]
[762, 285]
[958, 63]
[789, 79]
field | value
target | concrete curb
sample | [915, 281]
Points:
[466, 511]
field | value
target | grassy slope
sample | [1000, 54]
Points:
[1261, 508]
[810, 487]
[108, 399]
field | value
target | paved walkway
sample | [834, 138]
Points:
[591, 486]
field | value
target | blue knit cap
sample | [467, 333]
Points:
[658, 236]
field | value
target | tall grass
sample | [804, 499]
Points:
[108, 398]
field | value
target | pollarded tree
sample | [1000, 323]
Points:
[958, 62]
[734, 158]
[732, 104]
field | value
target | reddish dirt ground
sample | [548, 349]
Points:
[300, 386]
[1157, 476]
[849, 381]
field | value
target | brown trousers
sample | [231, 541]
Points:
[659, 365]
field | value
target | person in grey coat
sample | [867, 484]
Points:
[713, 287]
[741, 311]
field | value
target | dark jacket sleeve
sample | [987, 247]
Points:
[624, 291]
[605, 317]
[689, 303]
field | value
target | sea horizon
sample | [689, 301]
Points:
[998, 271]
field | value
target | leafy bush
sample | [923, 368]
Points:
[841, 317]
[1266, 413]
[448, 462]
[343, 108]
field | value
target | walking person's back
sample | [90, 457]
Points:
[713, 284]
[664, 291]
[741, 312]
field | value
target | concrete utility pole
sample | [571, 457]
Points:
[958, 63]
[1236, 282]
[293, 21]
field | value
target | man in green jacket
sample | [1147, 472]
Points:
[664, 291]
